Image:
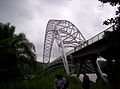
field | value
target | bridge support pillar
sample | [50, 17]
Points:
[97, 68]
[93, 60]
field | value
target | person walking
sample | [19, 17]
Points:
[86, 81]
[59, 82]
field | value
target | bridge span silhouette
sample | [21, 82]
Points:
[83, 54]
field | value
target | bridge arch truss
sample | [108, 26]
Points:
[65, 34]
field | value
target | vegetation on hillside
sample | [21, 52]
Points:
[45, 81]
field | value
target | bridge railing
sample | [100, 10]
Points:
[94, 38]
[89, 41]
[99, 36]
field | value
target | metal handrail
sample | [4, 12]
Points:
[92, 40]
[95, 38]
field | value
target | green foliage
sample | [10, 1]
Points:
[45, 81]
[112, 2]
[115, 20]
[113, 55]
[15, 50]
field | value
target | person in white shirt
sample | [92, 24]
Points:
[59, 82]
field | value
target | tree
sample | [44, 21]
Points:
[113, 38]
[115, 20]
[14, 50]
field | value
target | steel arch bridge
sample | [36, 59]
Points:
[65, 34]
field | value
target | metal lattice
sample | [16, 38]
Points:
[65, 34]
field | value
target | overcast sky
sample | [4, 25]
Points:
[31, 17]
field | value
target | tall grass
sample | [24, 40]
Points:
[46, 82]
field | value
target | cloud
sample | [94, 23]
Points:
[31, 17]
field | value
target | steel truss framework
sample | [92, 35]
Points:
[65, 34]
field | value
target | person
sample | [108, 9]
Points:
[86, 81]
[65, 83]
[60, 82]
